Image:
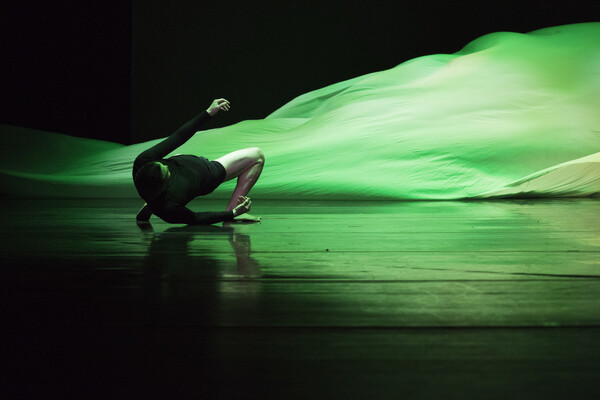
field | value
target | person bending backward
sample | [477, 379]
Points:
[168, 184]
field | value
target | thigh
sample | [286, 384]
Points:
[239, 161]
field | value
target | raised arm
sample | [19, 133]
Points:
[180, 136]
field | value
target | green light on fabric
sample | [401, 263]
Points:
[510, 114]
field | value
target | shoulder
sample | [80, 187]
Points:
[139, 162]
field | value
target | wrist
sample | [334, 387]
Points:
[211, 112]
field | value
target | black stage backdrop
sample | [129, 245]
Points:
[66, 67]
[134, 70]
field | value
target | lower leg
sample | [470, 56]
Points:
[245, 182]
[246, 165]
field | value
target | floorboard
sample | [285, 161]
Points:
[490, 299]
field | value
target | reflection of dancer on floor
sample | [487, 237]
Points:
[168, 184]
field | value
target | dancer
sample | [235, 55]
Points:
[168, 184]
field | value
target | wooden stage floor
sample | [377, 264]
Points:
[322, 300]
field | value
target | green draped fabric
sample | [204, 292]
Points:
[509, 115]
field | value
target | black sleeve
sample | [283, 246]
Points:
[183, 215]
[179, 137]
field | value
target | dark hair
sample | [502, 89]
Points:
[149, 181]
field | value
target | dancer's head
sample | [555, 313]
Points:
[151, 180]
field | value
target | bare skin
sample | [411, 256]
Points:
[246, 165]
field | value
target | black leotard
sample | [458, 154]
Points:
[190, 177]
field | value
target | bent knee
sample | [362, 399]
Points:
[258, 155]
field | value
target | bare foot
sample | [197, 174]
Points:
[246, 218]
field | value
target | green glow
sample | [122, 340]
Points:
[508, 114]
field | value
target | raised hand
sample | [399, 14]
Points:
[218, 104]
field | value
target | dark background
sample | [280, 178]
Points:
[133, 70]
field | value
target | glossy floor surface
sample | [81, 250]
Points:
[321, 300]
